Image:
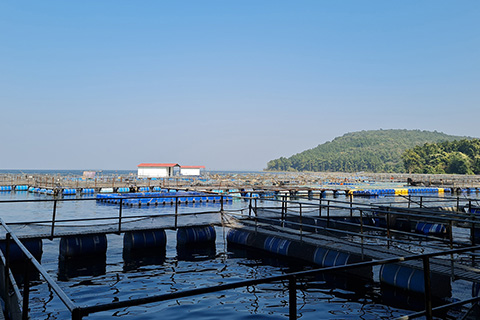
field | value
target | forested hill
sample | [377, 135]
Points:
[459, 157]
[372, 151]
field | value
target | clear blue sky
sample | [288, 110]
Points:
[227, 84]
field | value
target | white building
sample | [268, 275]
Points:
[190, 170]
[156, 170]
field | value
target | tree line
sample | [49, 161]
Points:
[371, 151]
[456, 157]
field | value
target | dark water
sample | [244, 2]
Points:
[117, 277]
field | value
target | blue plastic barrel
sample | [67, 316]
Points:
[6, 188]
[187, 235]
[123, 190]
[238, 236]
[430, 228]
[137, 240]
[329, 258]
[277, 245]
[21, 188]
[69, 191]
[34, 246]
[402, 277]
[88, 190]
[84, 245]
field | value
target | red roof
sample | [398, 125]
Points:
[163, 165]
[193, 167]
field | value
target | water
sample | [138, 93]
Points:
[120, 278]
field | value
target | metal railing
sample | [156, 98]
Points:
[78, 312]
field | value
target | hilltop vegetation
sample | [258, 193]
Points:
[460, 157]
[372, 151]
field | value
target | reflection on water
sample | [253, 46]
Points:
[73, 267]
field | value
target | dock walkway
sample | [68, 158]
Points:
[367, 251]
[43, 230]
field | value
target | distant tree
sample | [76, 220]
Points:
[459, 163]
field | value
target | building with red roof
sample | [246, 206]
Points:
[156, 170]
[162, 170]
[190, 170]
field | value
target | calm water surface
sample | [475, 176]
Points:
[118, 278]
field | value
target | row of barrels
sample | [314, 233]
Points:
[75, 246]
[399, 191]
[397, 275]
[14, 188]
[83, 246]
[161, 198]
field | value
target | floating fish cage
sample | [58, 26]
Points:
[398, 191]
[346, 246]
[161, 198]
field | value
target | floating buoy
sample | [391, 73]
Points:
[34, 246]
[239, 237]
[188, 235]
[430, 228]
[277, 245]
[412, 279]
[137, 240]
[330, 258]
[69, 191]
[85, 245]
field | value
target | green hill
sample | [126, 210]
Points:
[372, 151]
[459, 157]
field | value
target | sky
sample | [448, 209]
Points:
[230, 85]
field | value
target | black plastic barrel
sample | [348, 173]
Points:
[83, 245]
[146, 239]
[201, 234]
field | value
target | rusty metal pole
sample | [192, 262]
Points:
[351, 205]
[388, 230]
[26, 291]
[428, 288]
[250, 208]
[301, 227]
[361, 224]
[120, 216]
[176, 212]
[328, 213]
[320, 206]
[292, 298]
[53, 218]
[7, 263]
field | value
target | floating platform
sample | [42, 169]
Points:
[160, 198]
[327, 250]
